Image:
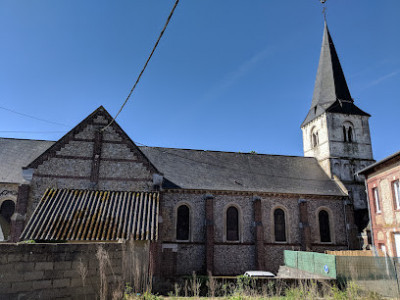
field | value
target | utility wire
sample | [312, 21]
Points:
[18, 131]
[145, 65]
[32, 117]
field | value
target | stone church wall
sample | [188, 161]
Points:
[361, 147]
[233, 258]
[317, 125]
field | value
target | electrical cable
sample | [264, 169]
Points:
[145, 65]
[17, 131]
[33, 117]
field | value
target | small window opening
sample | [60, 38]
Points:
[324, 227]
[7, 209]
[279, 225]
[183, 223]
[344, 134]
[232, 224]
[315, 139]
[350, 135]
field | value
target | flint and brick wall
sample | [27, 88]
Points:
[91, 160]
[256, 231]
[51, 271]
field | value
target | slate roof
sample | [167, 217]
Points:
[228, 171]
[389, 160]
[82, 215]
[331, 92]
[18, 153]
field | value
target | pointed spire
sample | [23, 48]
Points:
[330, 83]
[330, 90]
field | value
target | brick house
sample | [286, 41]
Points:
[382, 183]
[222, 212]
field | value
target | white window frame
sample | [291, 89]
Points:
[376, 198]
[396, 187]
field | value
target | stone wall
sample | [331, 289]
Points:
[233, 258]
[51, 271]
[340, 158]
[84, 161]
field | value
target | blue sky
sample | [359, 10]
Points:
[227, 75]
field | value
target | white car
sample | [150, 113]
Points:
[259, 274]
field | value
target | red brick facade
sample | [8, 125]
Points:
[382, 179]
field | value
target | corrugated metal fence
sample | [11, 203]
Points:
[370, 273]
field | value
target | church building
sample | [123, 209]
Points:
[203, 211]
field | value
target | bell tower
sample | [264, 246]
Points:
[335, 131]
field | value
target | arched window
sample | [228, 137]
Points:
[348, 132]
[7, 209]
[315, 139]
[183, 223]
[350, 135]
[279, 225]
[232, 224]
[324, 227]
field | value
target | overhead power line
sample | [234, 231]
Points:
[32, 117]
[19, 131]
[145, 65]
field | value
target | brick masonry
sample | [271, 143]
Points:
[89, 160]
[232, 258]
[385, 224]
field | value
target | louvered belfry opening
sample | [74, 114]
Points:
[84, 215]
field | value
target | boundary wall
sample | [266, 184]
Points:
[57, 271]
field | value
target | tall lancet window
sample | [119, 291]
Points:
[232, 224]
[350, 135]
[183, 223]
[324, 226]
[279, 225]
[314, 138]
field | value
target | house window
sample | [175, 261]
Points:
[183, 223]
[376, 198]
[279, 225]
[344, 134]
[232, 224]
[383, 248]
[324, 226]
[396, 193]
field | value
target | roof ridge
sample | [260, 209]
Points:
[230, 152]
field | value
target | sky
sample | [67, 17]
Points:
[228, 75]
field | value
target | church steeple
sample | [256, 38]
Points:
[336, 131]
[331, 92]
